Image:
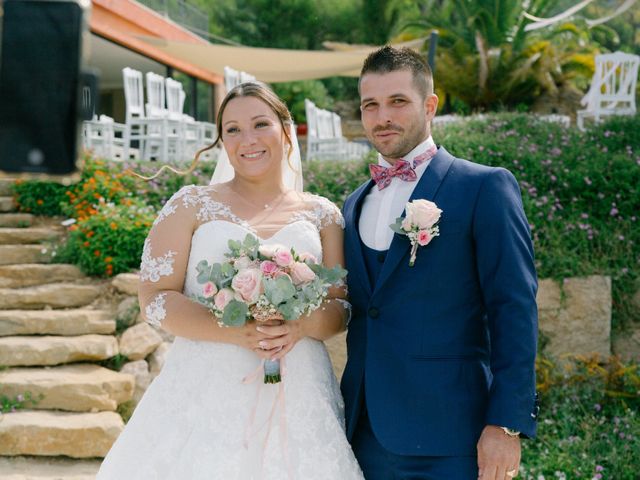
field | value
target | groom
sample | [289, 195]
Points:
[440, 380]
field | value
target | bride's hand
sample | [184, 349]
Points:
[249, 337]
[281, 338]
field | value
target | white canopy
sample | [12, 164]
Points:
[272, 64]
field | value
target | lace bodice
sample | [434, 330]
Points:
[194, 226]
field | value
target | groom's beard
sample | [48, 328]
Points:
[402, 144]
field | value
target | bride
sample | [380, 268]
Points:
[208, 414]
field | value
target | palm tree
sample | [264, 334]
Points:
[486, 57]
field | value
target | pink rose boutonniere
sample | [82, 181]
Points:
[419, 225]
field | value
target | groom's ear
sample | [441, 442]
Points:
[431, 105]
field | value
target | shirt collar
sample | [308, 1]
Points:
[412, 154]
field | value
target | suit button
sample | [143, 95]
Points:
[373, 312]
[381, 257]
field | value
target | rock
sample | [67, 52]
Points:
[579, 324]
[27, 235]
[337, 347]
[76, 435]
[626, 344]
[7, 204]
[76, 388]
[127, 312]
[56, 322]
[140, 371]
[47, 468]
[19, 220]
[20, 276]
[126, 283]
[18, 254]
[139, 341]
[50, 350]
[59, 295]
[6, 186]
[156, 359]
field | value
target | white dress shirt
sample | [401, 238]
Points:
[380, 208]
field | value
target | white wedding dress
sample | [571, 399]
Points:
[198, 420]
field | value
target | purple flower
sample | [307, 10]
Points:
[20, 398]
[587, 181]
[613, 212]
[597, 407]
[599, 468]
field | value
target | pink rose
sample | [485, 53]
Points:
[242, 262]
[423, 213]
[268, 268]
[308, 258]
[209, 290]
[223, 297]
[248, 284]
[283, 257]
[424, 237]
[270, 250]
[301, 273]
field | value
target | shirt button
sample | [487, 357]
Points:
[373, 312]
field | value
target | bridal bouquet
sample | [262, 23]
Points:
[259, 282]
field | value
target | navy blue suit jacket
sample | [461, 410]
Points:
[448, 346]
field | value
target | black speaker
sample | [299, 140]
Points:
[40, 52]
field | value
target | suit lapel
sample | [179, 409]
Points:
[427, 188]
[357, 266]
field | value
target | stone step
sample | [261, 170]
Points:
[47, 468]
[5, 187]
[7, 204]
[56, 322]
[28, 235]
[50, 350]
[56, 295]
[19, 254]
[19, 220]
[49, 433]
[75, 388]
[28, 275]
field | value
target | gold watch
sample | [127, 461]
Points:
[511, 433]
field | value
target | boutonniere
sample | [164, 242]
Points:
[419, 225]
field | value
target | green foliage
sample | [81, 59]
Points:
[588, 425]
[39, 197]
[110, 240]
[486, 59]
[294, 94]
[114, 363]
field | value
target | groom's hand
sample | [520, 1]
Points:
[498, 453]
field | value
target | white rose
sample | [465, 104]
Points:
[270, 250]
[423, 213]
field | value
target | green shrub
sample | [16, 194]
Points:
[39, 197]
[109, 241]
[589, 426]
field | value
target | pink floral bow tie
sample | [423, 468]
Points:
[401, 169]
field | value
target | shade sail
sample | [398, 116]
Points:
[269, 64]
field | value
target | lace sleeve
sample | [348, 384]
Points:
[165, 256]
[322, 212]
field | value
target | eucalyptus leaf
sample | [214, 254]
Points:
[235, 246]
[291, 309]
[235, 314]
[397, 227]
[251, 245]
[279, 290]
[203, 270]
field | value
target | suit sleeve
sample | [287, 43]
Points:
[506, 270]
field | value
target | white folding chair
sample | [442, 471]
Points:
[136, 122]
[613, 88]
